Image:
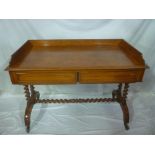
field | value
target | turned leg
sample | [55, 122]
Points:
[117, 93]
[121, 97]
[31, 97]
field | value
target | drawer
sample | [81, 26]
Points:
[110, 76]
[44, 77]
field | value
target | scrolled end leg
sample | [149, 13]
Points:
[121, 97]
[125, 107]
[28, 116]
[27, 123]
[31, 97]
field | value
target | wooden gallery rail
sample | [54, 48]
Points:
[98, 61]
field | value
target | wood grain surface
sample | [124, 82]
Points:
[71, 61]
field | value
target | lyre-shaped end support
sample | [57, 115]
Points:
[31, 96]
[120, 96]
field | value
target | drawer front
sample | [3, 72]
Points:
[43, 77]
[110, 76]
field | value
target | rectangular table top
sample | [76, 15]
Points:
[76, 54]
[91, 57]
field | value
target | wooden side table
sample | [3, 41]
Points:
[95, 61]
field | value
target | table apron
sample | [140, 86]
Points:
[111, 76]
[72, 77]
